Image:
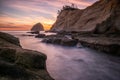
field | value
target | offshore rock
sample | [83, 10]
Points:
[37, 27]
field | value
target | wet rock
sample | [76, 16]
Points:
[60, 40]
[10, 38]
[79, 45]
[31, 59]
[46, 40]
[17, 63]
[40, 36]
[68, 42]
[103, 44]
[34, 32]
[57, 41]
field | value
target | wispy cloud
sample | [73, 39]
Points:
[29, 12]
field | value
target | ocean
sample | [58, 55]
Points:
[72, 63]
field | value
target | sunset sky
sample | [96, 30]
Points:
[23, 14]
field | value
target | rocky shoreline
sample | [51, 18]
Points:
[108, 43]
[97, 27]
[103, 44]
[17, 63]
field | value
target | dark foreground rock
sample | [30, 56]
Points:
[20, 64]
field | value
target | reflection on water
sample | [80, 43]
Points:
[64, 63]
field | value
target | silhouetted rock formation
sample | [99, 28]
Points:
[37, 27]
[102, 17]
[20, 64]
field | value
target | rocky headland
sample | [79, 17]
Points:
[101, 17]
[97, 27]
[17, 63]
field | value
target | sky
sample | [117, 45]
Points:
[23, 14]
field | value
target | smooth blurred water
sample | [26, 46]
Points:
[70, 63]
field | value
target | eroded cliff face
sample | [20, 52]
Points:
[101, 17]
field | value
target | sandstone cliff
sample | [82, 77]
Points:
[37, 27]
[17, 63]
[101, 17]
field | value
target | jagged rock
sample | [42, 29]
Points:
[47, 40]
[17, 63]
[101, 17]
[60, 40]
[104, 44]
[37, 27]
[68, 42]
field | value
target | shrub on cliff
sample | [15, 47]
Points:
[67, 7]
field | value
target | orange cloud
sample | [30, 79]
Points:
[23, 14]
[47, 26]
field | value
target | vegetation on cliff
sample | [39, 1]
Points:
[97, 26]
[67, 7]
[101, 17]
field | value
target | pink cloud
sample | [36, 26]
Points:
[33, 11]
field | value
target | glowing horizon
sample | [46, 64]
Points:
[23, 14]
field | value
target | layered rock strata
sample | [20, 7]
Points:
[101, 17]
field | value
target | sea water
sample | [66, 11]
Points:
[72, 63]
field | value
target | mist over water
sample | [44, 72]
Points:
[71, 63]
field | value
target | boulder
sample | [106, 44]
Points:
[10, 38]
[60, 40]
[68, 42]
[17, 63]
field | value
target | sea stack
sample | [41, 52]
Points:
[37, 27]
